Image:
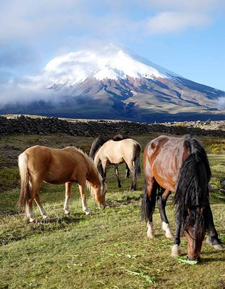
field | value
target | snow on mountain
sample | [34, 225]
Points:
[111, 62]
[111, 82]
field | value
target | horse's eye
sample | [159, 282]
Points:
[202, 210]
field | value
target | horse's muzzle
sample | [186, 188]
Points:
[196, 259]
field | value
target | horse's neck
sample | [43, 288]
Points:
[96, 159]
[93, 177]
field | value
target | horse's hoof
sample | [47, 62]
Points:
[67, 212]
[87, 212]
[176, 252]
[209, 241]
[32, 220]
[218, 247]
[169, 235]
[150, 235]
[165, 227]
[45, 217]
[150, 230]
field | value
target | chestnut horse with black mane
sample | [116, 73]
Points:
[97, 143]
[57, 166]
[179, 165]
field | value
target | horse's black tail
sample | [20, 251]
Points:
[190, 191]
[137, 159]
[148, 205]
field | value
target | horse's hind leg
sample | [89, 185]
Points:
[34, 192]
[213, 236]
[83, 199]
[29, 205]
[43, 212]
[117, 175]
[162, 204]
[29, 210]
[148, 204]
[133, 170]
[68, 187]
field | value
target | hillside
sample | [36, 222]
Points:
[112, 83]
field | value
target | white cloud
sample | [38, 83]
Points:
[54, 25]
[170, 22]
[221, 103]
[22, 19]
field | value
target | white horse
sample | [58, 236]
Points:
[118, 152]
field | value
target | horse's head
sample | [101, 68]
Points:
[195, 232]
[99, 194]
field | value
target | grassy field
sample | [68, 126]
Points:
[109, 248]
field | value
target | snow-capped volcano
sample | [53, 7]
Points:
[112, 83]
[110, 62]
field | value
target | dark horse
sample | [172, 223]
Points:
[97, 143]
[180, 165]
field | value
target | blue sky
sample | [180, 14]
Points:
[186, 37]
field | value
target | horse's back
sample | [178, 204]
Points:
[123, 147]
[57, 165]
[163, 158]
[119, 151]
[166, 145]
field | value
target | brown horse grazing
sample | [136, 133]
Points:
[180, 165]
[97, 143]
[117, 152]
[57, 166]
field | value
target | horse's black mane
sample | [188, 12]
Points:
[100, 140]
[192, 188]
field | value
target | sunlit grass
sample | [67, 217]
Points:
[109, 248]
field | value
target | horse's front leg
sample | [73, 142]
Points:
[127, 175]
[68, 187]
[83, 199]
[104, 164]
[162, 205]
[117, 175]
[176, 251]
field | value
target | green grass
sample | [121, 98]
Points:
[109, 248]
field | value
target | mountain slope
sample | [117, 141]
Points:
[115, 84]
